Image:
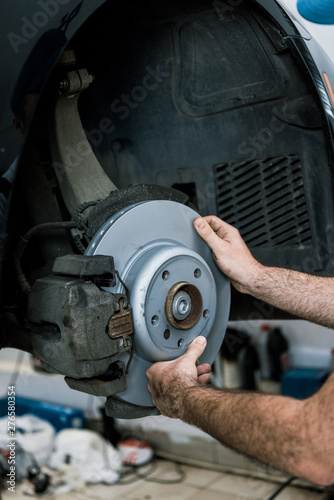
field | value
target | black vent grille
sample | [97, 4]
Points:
[265, 200]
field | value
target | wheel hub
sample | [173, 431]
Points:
[176, 289]
[183, 306]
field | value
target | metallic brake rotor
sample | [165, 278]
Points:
[176, 290]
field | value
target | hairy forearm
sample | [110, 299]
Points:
[303, 295]
[285, 433]
[310, 297]
[271, 429]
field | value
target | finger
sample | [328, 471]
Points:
[207, 228]
[196, 349]
[204, 379]
[216, 223]
[202, 369]
[155, 368]
[150, 372]
[223, 230]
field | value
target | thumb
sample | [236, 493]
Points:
[206, 232]
[196, 349]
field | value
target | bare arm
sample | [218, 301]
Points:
[306, 296]
[291, 435]
[294, 436]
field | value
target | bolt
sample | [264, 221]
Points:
[63, 85]
[205, 313]
[180, 343]
[181, 305]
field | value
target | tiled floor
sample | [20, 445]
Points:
[195, 484]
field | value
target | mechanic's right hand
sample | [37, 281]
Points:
[229, 251]
[169, 380]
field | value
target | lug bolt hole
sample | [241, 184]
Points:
[197, 273]
[180, 343]
[205, 313]
[155, 320]
[165, 275]
[167, 334]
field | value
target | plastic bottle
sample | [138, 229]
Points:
[278, 353]
[249, 366]
[261, 345]
[231, 373]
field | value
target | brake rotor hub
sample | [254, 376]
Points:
[176, 289]
[183, 306]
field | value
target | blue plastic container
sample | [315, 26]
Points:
[61, 417]
[301, 383]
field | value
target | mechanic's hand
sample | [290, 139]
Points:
[168, 380]
[229, 251]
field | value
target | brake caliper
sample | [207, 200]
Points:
[80, 329]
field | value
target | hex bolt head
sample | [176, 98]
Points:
[181, 305]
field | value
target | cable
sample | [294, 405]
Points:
[23, 282]
[77, 242]
[180, 479]
[79, 222]
[39, 479]
[81, 219]
[281, 488]
[146, 476]
[132, 471]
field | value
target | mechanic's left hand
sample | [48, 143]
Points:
[169, 379]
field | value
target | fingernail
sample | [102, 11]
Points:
[199, 223]
[201, 340]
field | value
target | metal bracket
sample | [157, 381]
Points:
[98, 268]
[111, 382]
[80, 176]
[117, 408]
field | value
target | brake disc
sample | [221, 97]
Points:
[176, 290]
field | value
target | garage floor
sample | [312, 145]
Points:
[166, 480]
